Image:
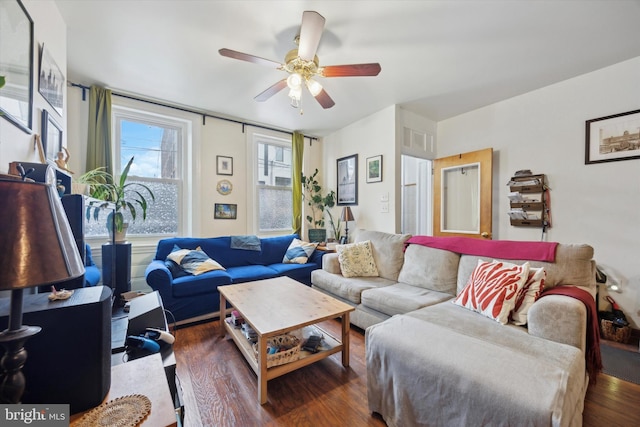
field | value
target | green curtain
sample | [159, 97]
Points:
[297, 149]
[99, 138]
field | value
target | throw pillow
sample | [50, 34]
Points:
[492, 289]
[528, 295]
[193, 261]
[356, 259]
[299, 252]
[175, 269]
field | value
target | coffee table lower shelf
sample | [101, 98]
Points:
[330, 345]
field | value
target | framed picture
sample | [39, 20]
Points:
[16, 64]
[347, 168]
[374, 169]
[224, 187]
[224, 165]
[613, 138]
[51, 81]
[225, 211]
[51, 135]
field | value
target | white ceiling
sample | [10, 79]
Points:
[438, 58]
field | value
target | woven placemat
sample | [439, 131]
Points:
[125, 411]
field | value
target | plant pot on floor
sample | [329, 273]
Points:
[317, 234]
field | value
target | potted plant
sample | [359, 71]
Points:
[124, 196]
[336, 226]
[312, 195]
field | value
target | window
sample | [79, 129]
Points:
[156, 143]
[273, 195]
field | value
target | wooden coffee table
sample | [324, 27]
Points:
[275, 306]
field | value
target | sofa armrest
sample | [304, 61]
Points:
[316, 257]
[159, 277]
[331, 264]
[559, 318]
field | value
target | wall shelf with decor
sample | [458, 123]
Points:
[528, 201]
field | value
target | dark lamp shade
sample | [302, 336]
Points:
[346, 214]
[37, 244]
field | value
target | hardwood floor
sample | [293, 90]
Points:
[220, 389]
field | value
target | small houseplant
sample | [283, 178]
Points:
[124, 195]
[312, 195]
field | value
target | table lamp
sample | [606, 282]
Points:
[346, 215]
[37, 249]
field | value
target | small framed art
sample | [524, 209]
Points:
[51, 136]
[224, 165]
[613, 138]
[374, 169]
[225, 211]
[347, 168]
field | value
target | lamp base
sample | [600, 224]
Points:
[15, 356]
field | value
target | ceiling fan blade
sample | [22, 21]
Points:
[372, 69]
[310, 33]
[272, 90]
[324, 99]
[249, 58]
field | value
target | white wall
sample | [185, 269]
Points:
[371, 136]
[544, 131]
[48, 28]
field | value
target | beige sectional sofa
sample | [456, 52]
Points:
[433, 363]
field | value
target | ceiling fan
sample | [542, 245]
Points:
[303, 65]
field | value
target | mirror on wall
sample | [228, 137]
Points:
[461, 199]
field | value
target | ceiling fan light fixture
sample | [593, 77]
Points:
[294, 81]
[314, 87]
[295, 93]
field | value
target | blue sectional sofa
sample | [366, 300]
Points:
[187, 296]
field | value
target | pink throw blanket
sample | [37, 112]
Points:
[503, 249]
[593, 359]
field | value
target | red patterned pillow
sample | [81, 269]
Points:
[528, 295]
[492, 289]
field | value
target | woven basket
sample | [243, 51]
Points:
[290, 346]
[615, 333]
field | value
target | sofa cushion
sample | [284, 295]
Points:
[388, 251]
[492, 289]
[528, 295]
[298, 252]
[247, 273]
[347, 288]
[356, 260]
[401, 298]
[274, 248]
[573, 265]
[430, 268]
[299, 272]
[206, 283]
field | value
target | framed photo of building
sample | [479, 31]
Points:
[347, 169]
[374, 169]
[224, 165]
[51, 81]
[225, 211]
[613, 138]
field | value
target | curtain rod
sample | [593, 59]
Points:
[187, 110]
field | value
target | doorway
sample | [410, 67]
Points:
[417, 194]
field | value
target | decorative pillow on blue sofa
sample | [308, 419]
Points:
[299, 252]
[193, 261]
